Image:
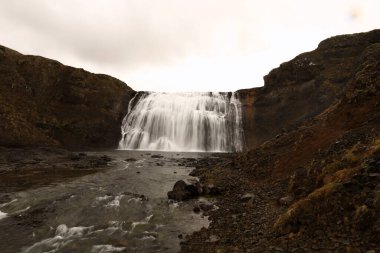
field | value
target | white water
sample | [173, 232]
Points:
[183, 122]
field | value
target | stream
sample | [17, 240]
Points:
[121, 209]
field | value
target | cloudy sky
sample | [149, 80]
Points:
[179, 45]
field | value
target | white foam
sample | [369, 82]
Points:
[115, 202]
[2, 215]
[22, 210]
[149, 237]
[143, 222]
[63, 236]
[10, 202]
[103, 198]
[106, 249]
[136, 200]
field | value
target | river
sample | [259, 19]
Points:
[121, 209]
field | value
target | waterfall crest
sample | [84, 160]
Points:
[183, 122]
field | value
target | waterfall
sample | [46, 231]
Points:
[183, 122]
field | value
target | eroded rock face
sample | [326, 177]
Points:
[305, 86]
[43, 102]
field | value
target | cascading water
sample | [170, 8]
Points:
[183, 122]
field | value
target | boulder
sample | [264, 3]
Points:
[180, 191]
[183, 191]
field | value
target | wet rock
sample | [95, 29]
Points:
[194, 187]
[143, 197]
[74, 157]
[106, 158]
[180, 191]
[206, 207]
[130, 160]
[156, 156]
[196, 209]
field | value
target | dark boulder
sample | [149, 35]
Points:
[179, 192]
[183, 191]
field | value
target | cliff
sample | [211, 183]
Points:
[313, 186]
[304, 87]
[43, 102]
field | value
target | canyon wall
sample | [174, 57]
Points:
[303, 87]
[43, 102]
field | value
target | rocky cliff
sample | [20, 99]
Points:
[315, 186]
[43, 102]
[305, 86]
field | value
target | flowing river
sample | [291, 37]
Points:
[121, 209]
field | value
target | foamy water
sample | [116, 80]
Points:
[183, 122]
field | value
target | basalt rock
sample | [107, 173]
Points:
[304, 87]
[43, 102]
[180, 191]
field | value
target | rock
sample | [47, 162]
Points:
[211, 190]
[194, 187]
[143, 197]
[286, 88]
[206, 207]
[363, 217]
[156, 156]
[247, 197]
[180, 191]
[106, 158]
[286, 201]
[130, 160]
[213, 238]
[54, 104]
[183, 191]
[74, 157]
[196, 209]
[350, 249]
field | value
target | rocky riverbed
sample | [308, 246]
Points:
[53, 200]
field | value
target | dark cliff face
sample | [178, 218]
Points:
[43, 102]
[305, 86]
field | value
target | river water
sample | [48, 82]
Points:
[121, 209]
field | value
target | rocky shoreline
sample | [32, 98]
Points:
[311, 189]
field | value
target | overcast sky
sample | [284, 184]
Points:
[179, 45]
